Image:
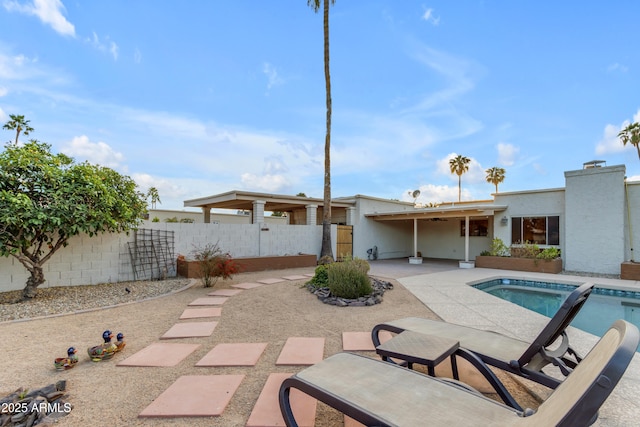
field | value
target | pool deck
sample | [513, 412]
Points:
[444, 288]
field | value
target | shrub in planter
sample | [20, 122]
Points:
[321, 277]
[498, 248]
[349, 279]
[214, 264]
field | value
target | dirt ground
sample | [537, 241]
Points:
[106, 395]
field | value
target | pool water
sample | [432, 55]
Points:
[603, 307]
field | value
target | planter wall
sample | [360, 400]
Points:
[191, 269]
[520, 264]
[630, 270]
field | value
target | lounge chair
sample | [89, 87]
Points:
[377, 393]
[516, 356]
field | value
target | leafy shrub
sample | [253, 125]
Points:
[525, 250]
[549, 253]
[214, 264]
[155, 219]
[325, 260]
[485, 253]
[498, 248]
[348, 280]
[321, 278]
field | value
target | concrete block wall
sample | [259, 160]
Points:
[99, 259]
[632, 234]
[85, 261]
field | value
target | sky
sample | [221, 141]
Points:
[203, 97]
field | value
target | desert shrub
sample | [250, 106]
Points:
[525, 250]
[498, 248]
[155, 219]
[549, 253]
[348, 280]
[325, 260]
[321, 278]
[361, 264]
[214, 264]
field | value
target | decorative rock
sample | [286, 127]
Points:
[43, 406]
[379, 287]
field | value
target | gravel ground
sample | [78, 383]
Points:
[70, 299]
[103, 394]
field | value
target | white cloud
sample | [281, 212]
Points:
[4, 117]
[94, 152]
[610, 143]
[430, 17]
[437, 194]
[474, 174]
[104, 46]
[266, 182]
[50, 12]
[273, 79]
[507, 153]
[3, 91]
[137, 56]
[617, 67]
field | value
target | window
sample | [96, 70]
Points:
[477, 227]
[540, 230]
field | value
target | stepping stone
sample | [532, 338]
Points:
[238, 354]
[266, 412]
[301, 351]
[190, 330]
[296, 277]
[194, 396]
[357, 341]
[209, 301]
[160, 355]
[270, 281]
[350, 422]
[246, 285]
[361, 341]
[194, 313]
[225, 292]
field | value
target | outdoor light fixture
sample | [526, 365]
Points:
[504, 220]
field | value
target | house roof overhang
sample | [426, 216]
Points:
[243, 200]
[454, 211]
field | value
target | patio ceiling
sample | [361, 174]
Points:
[243, 200]
[454, 211]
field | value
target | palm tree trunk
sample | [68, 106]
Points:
[459, 188]
[326, 249]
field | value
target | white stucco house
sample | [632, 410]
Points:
[594, 220]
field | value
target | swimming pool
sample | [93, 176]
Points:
[603, 307]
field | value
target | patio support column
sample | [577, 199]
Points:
[415, 237]
[258, 211]
[312, 214]
[466, 238]
[351, 215]
[207, 214]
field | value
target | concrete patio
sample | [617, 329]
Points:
[444, 288]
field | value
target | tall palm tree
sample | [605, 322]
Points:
[155, 197]
[495, 176]
[19, 124]
[631, 134]
[326, 250]
[459, 165]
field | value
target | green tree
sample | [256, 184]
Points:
[155, 197]
[495, 176]
[631, 135]
[459, 165]
[47, 198]
[326, 250]
[19, 124]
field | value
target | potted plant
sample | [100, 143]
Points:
[524, 257]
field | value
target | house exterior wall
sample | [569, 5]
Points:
[595, 219]
[530, 204]
[442, 239]
[394, 239]
[632, 223]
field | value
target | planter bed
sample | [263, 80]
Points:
[520, 264]
[191, 269]
[630, 270]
